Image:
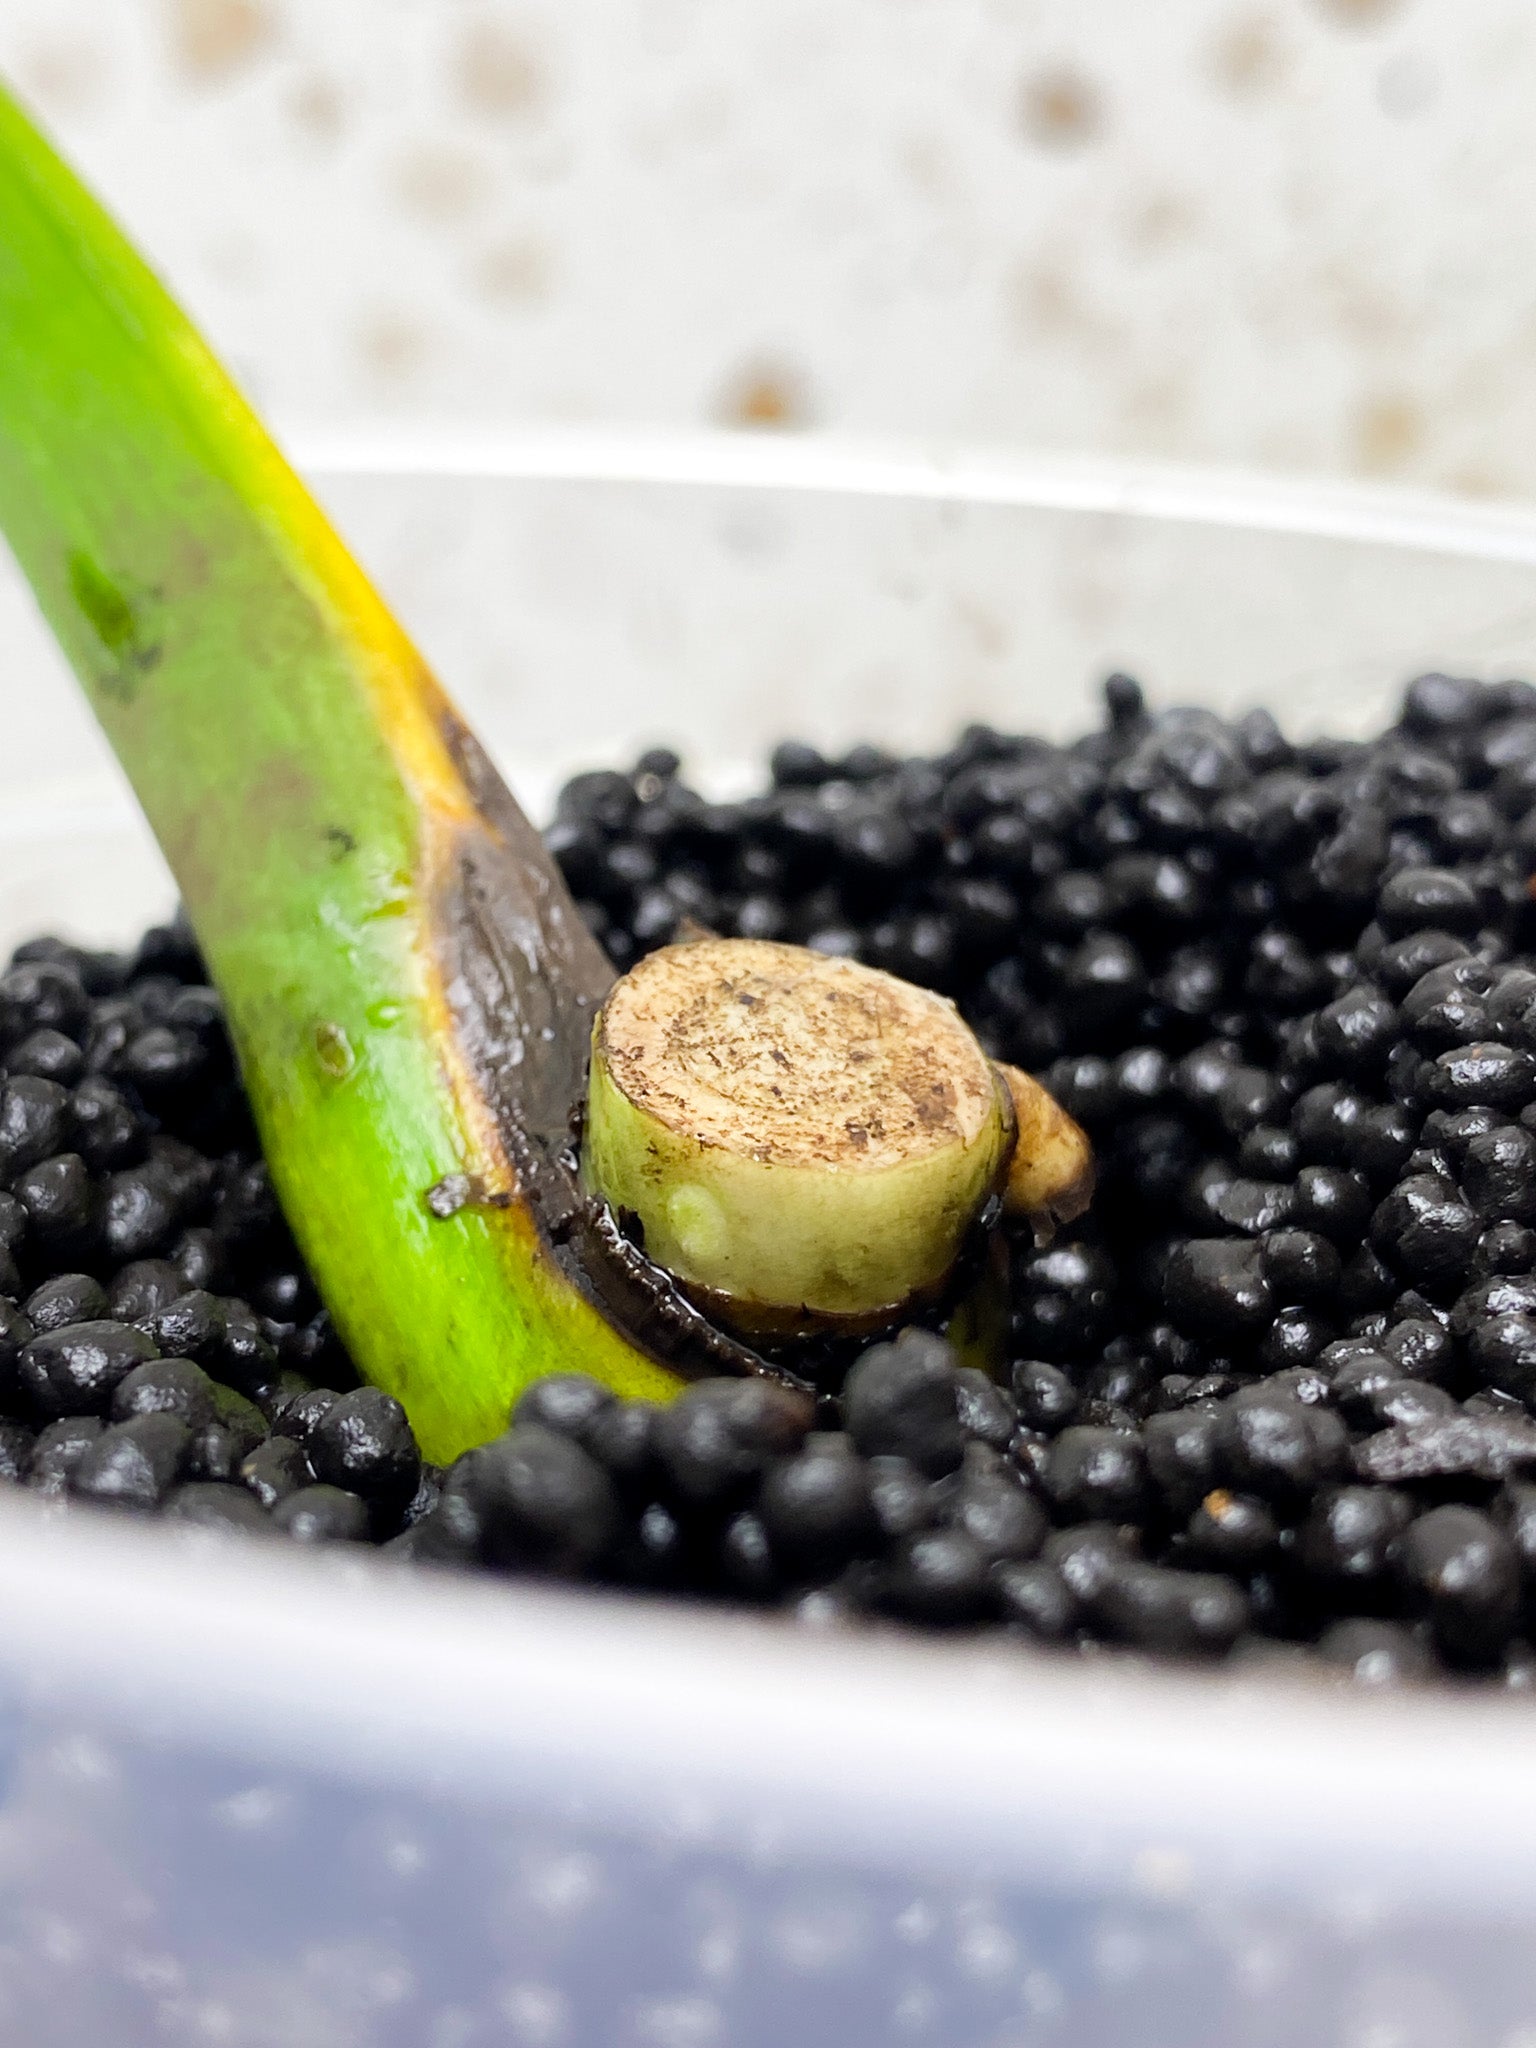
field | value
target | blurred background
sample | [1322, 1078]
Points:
[1290, 234]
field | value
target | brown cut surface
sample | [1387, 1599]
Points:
[788, 1057]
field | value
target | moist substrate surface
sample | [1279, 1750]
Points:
[1271, 1397]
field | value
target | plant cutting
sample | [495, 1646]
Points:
[411, 993]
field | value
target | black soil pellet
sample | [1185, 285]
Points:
[939, 1576]
[218, 1506]
[58, 1449]
[75, 1370]
[1462, 1570]
[902, 1497]
[1275, 1388]
[322, 1514]
[533, 1499]
[133, 1464]
[1033, 1600]
[1376, 1653]
[66, 1298]
[903, 1399]
[16, 1446]
[166, 1386]
[275, 1468]
[717, 1438]
[364, 1445]
[817, 1508]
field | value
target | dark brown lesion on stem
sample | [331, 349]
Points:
[524, 979]
[116, 617]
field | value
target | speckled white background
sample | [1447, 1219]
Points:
[1297, 234]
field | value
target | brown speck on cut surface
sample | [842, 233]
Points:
[212, 38]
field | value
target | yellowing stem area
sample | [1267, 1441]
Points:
[343, 850]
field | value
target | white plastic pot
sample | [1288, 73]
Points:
[262, 1799]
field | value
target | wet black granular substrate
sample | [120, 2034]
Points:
[1274, 1390]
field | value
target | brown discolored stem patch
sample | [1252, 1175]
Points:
[1051, 1175]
